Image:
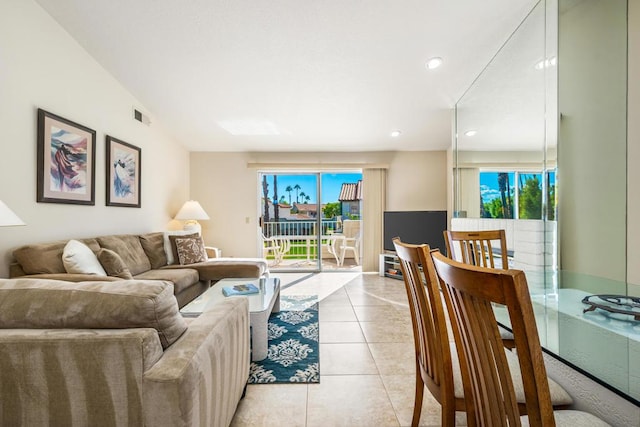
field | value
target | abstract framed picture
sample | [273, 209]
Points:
[123, 173]
[66, 161]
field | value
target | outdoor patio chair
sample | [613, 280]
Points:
[351, 229]
[351, 244]
[276, 246]
[331, 244]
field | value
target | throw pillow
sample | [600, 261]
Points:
[190, 251]
[113, 264]
[79, 259]
[153, 245]
[170, 247]
[174, 249]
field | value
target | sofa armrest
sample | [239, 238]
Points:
[75, 376]
[212, 252]
[201, 377]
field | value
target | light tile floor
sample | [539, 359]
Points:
[367, 365]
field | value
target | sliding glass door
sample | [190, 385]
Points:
[310, 221]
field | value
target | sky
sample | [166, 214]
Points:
[331, 185]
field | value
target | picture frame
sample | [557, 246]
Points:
[66, 154]
[123, 173]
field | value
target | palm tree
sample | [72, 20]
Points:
[297, 187]
[265, 192]
[307, 198]
[289, 189]
[276, 207]
[503, 186]
[302, 195]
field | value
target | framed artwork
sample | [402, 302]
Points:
[66, 161]
[123, 173]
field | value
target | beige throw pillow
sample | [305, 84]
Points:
[77, 258]
[191, 250]
[113, 264]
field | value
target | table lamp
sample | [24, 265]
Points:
[7, 217]
[191, 212]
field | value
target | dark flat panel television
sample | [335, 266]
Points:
[415, 227]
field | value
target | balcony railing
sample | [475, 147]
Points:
[299, 228]
[303, 248]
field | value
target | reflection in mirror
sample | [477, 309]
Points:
[505, 170]
[540, 151]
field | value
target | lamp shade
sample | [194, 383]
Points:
[7, 217]
[191, 210]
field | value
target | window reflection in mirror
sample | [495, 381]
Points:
[540, 150]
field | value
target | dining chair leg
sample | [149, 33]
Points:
[448, 418]
[417, 405]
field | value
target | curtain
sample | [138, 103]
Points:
[373, 205]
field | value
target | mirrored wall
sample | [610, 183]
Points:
[540, 150]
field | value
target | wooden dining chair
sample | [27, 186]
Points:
[437, 365]
[434, 365]
[480, 248]
[487, 248]
[470, 292]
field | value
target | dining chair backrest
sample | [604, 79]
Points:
[486, 248]
[432, 350]
[470, 292]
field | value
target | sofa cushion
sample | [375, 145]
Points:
[153, 245]
[170, 244]
[190, 250]
[113, 264]
[221, 268]
[46, 258]
[181, 278]
[129, 248]
[78, 258]
[51, 304]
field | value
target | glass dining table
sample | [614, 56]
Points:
[602, 343]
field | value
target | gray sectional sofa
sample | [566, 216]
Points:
[118, 354]
[144, 255]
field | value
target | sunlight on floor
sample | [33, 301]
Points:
[321, 284]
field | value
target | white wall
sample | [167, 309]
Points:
[592, 148]
[41, 66]
[229, 191]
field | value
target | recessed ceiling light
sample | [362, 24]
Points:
[396, 133]
[470, 132]
[546, 63]
[434, 62]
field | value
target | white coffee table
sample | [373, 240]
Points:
[261, 305]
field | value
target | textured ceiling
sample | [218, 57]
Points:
[320, 75]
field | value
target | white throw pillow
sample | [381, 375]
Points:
[78, 258]
[167, 243]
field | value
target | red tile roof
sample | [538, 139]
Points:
[351, 192]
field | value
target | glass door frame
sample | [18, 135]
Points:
[318, 224]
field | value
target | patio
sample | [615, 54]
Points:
[294, 245]
[328, 264]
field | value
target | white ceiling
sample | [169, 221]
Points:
[329, 75]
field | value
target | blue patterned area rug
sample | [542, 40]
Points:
[294, 354]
